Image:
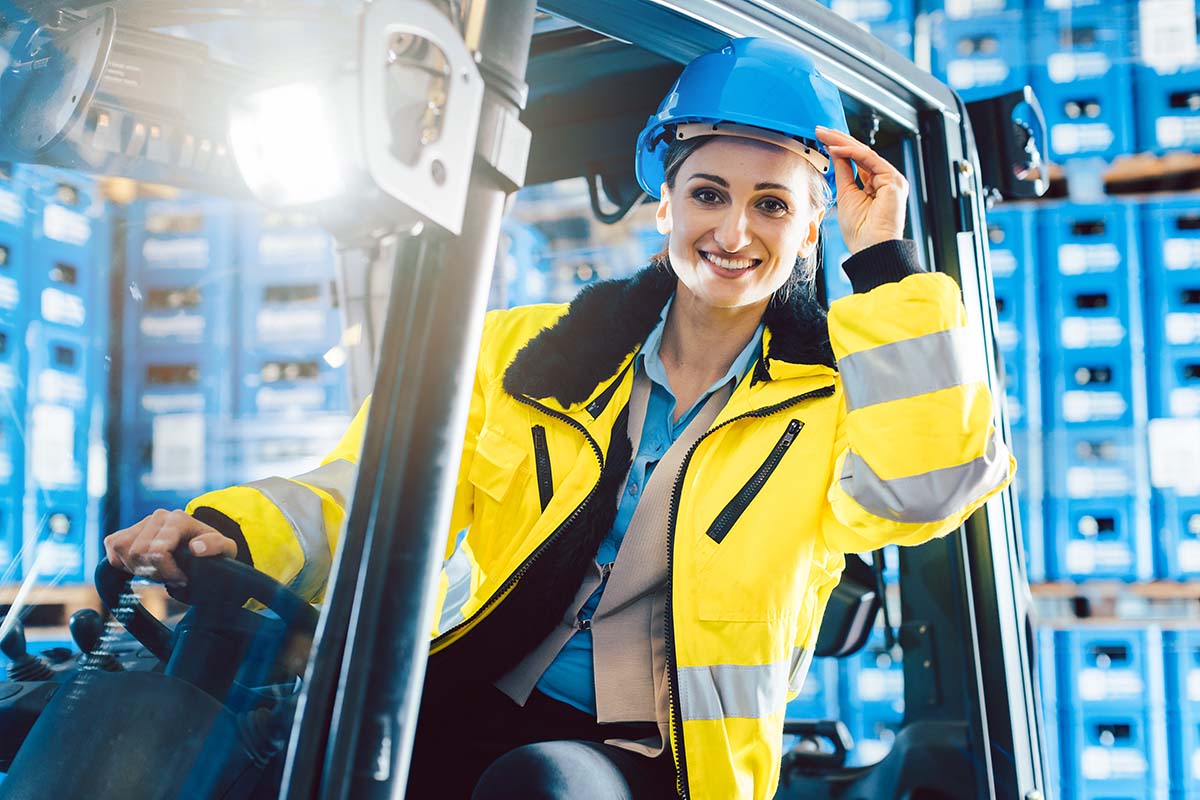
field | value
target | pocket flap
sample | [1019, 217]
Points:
[496, 462]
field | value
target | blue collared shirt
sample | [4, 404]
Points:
[569, 678]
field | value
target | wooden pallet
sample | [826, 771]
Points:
[52, 606]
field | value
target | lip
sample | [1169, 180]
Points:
[730, 274]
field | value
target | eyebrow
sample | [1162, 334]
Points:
[717, 179]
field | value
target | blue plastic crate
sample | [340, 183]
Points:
[818, 698]
[261, 446]
[522, 248]
[1175, 382]
[967, 9]
[14, 241]
[55, 537]
[59, 397]
[1095, 386]
[1069, 45]
[295, 313]
[1168, 109]
[10, 539]
[1171, 242]
[1119, 753]
[1097, 461]
[1105, 537]
[983, 56]
[1181, 650]
[1052, 716]
[1029, 484]
[1109, 668]
[1088, 118]
[289, 384]
[1177, 534]
[180, 237]
[67, 259]
[167, 309]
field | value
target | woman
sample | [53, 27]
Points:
[660, 481]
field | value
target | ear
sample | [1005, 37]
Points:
[662, 216]
[812, 235]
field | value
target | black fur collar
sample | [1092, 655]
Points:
[607, 320]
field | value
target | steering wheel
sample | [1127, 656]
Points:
[218, 585]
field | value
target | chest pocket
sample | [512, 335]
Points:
[497, 465]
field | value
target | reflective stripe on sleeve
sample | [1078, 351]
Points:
[458, 590]
[725, 691]
[801, 660]
[335, 479]
[930, 497]
[911, 367]
[302, 510]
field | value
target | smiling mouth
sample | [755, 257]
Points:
[725, 264]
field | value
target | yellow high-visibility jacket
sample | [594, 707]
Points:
[805, 463]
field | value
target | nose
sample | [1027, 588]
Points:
[732, 232]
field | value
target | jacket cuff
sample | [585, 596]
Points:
[882, 263]
[227, 528]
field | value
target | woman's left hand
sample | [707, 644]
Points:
[874, 213]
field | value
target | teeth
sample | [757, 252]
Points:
[730, 263]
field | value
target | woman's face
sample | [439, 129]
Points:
[737, 219]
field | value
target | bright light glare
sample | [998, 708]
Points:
[284, 142]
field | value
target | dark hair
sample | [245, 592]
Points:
[803, 272]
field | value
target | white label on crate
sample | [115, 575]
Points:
[172, 403]
[52, 445]
[963, 73]
[1167, 33]
[1068, 67]
[56, 387]
[1177, 131]
[268, 399]
[1189, 561]
[1004, 263]
[964, 9]
[1084, 482]
[1080, 332]
[1078, 259]
[10, 294]
[1184, 402]
[8, 378]
[180, 253]
[12, 210]
[97, 471]
[1182, 328]
[58, 558]
[63, 308]
[1007, 336]
[1092, 406]
[1174, 453]
[178, 452]
[308, 248]
[1068, 138]
[1181, 253]
[178, 326]
[300, 324]
[1193, 685]
[64, 225]
[1095, 763]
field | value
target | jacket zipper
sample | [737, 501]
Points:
[528, 562]
[676, 713]
[730, 514]
[541, 459]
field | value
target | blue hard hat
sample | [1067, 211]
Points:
[756, 82]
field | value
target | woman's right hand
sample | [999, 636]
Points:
[144, 549]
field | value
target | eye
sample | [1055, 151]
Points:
[773, 206]
[707, 196]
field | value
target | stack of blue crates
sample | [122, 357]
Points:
[1095, 398]
[67, 268]
[1115, 738]
[890, 21]
[1181, 649]
[980, 55]
[13, 245]
[871, 689]
[1171, 242]
[1014, 274]
[1167, 99]
[178, 348]
[1082, 74]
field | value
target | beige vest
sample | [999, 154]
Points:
[628, 652]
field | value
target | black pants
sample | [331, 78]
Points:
[479, 744]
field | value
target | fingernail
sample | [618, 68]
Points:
[199, 547]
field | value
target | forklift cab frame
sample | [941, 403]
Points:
[568, 83]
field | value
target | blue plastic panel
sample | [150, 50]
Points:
[287, 383]
[57, 523]
[1100, 538]
[1182, 652]
[1177, 534]
[1175, 382]
[1097, 461]
[1120, 754]
[983, 56]
[1112, 668]
[14, 241]
[180, 237]
[10, 539]
[1168, 110]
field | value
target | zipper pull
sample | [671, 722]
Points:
[793, 429]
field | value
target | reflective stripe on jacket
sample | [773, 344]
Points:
[804, 464]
